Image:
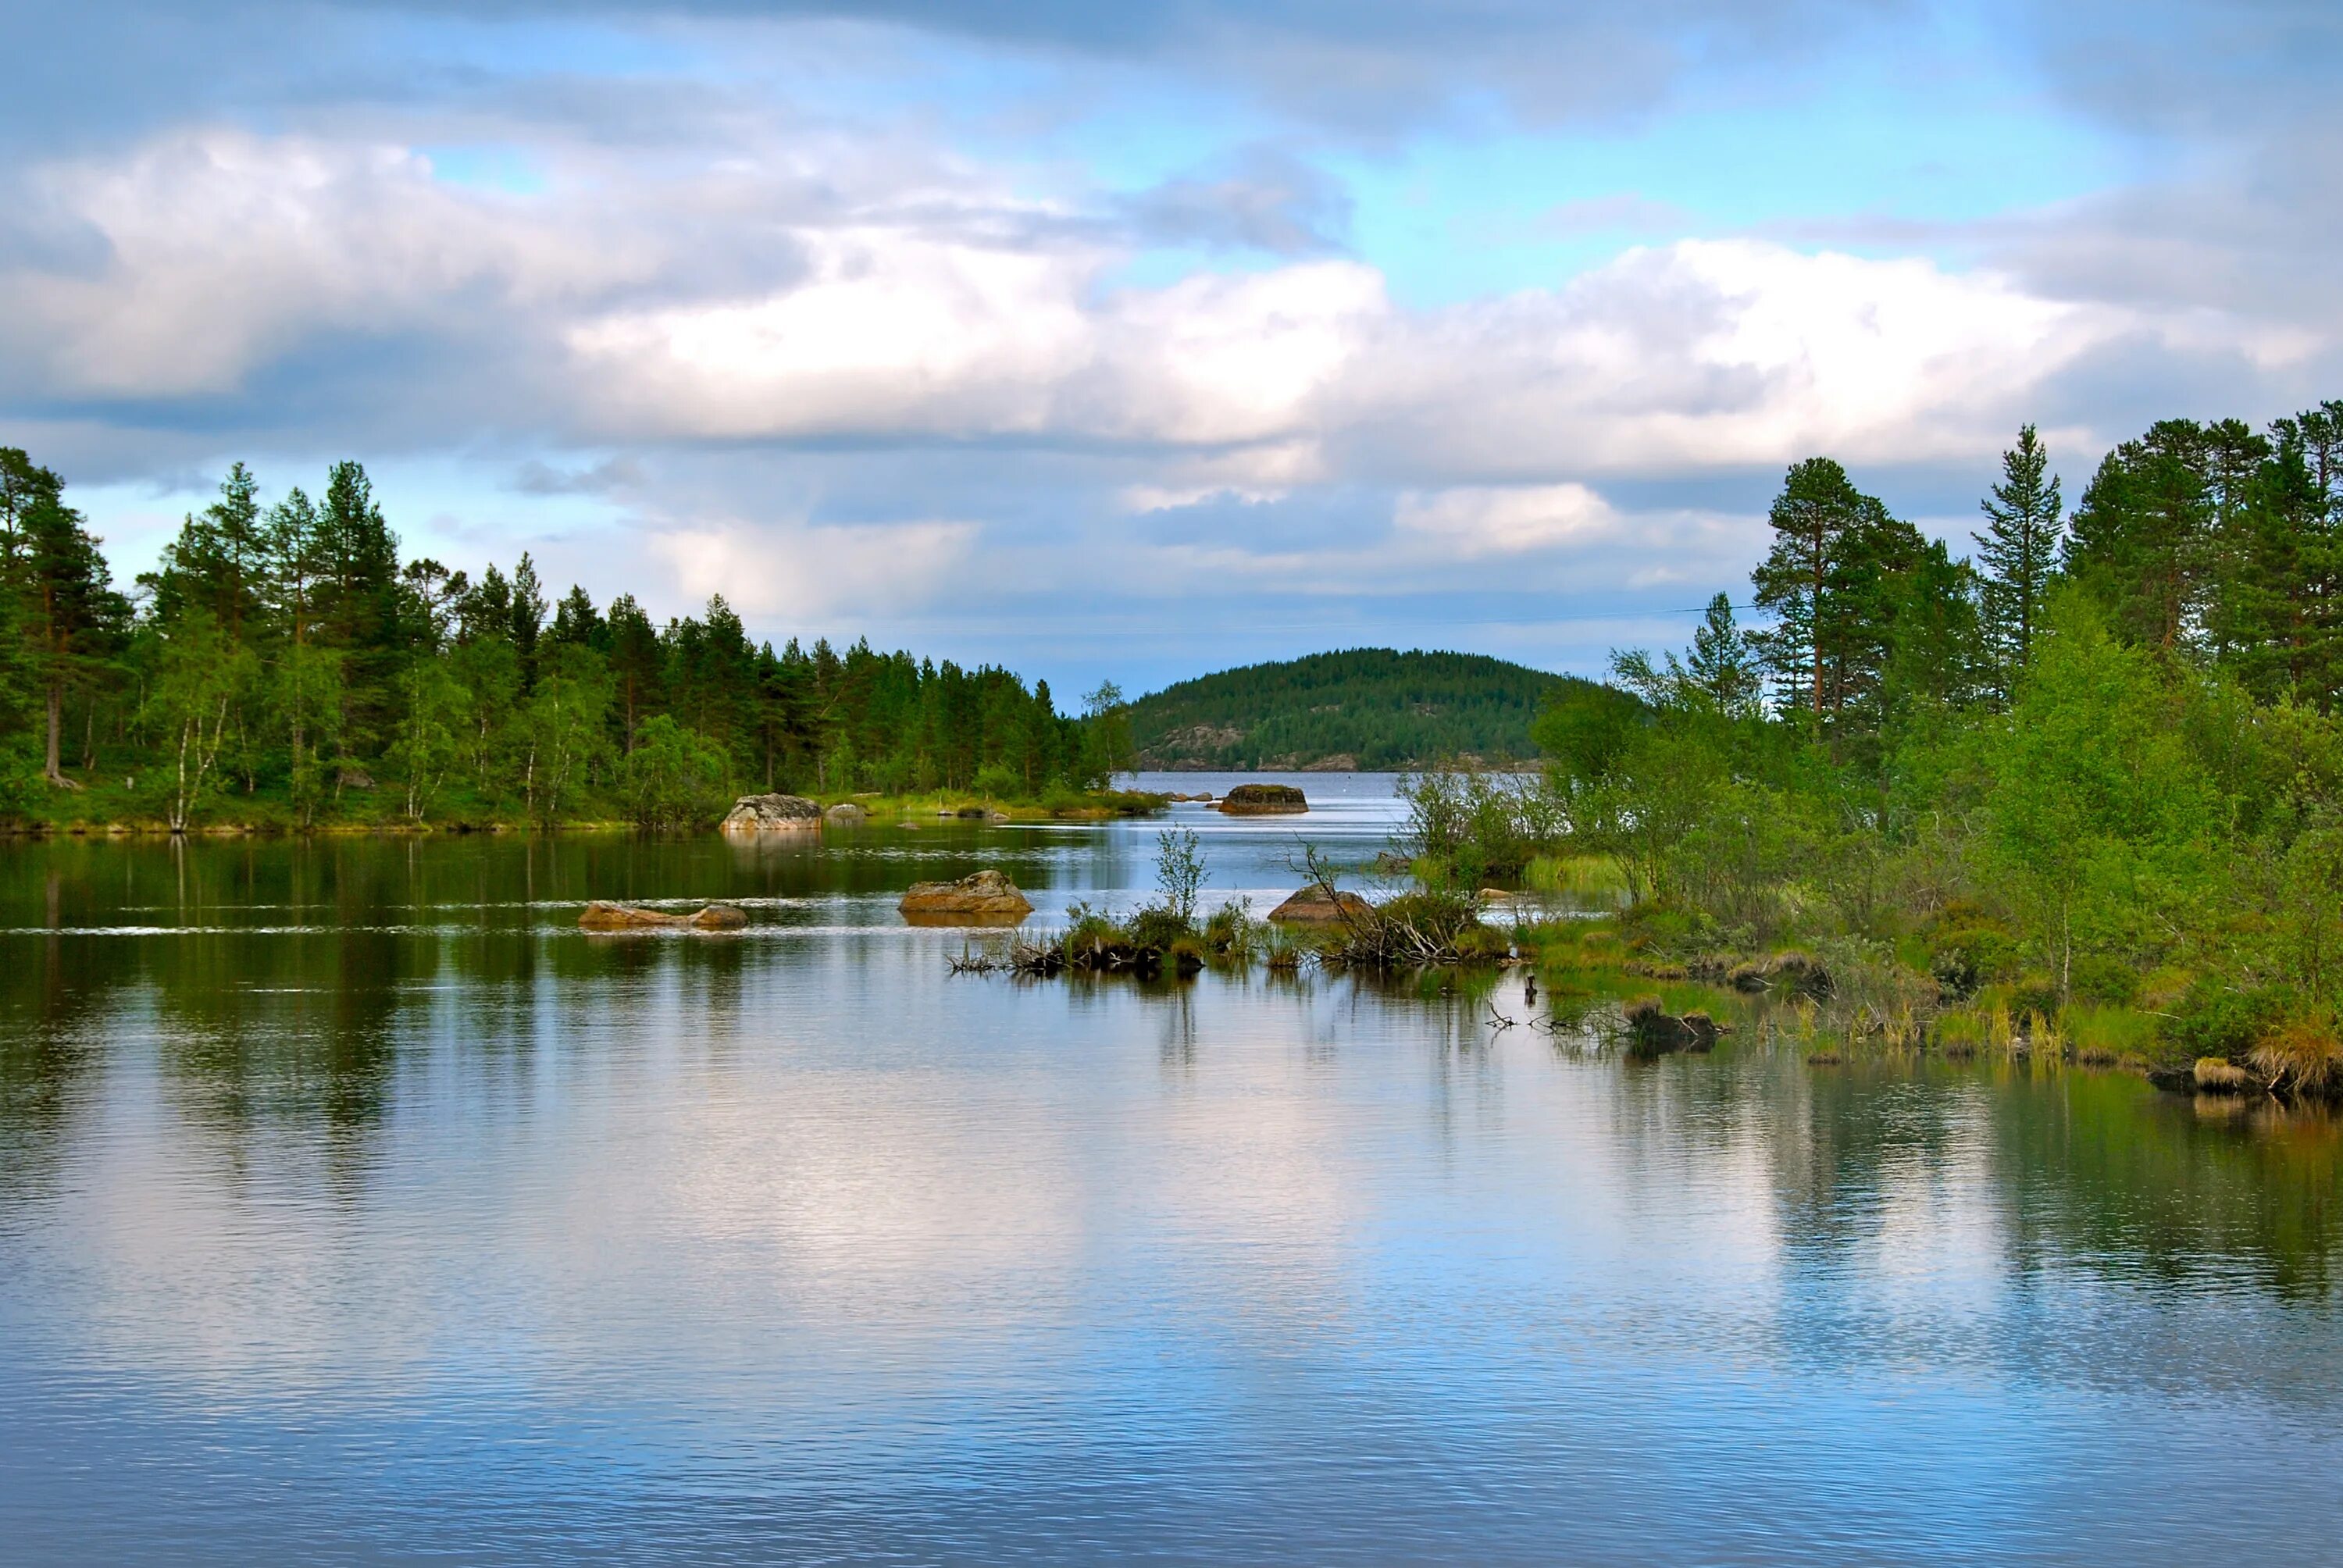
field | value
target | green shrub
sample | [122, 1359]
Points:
[2103, 981]
[1157, 928]
[1483, 944]
[1233, 933]
[2036, 994]
[2218, 1019]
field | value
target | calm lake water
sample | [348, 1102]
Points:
[355, 1207]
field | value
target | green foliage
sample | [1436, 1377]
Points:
[1383, 708]
[1179, 872]
[1466, 827]
[674, 778]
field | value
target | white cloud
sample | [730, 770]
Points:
[1482, 520]
[816, 571]
[219, 251]
[924, 304]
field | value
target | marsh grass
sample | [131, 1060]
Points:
[1592, 878]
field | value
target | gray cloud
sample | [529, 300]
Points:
[1262, 199]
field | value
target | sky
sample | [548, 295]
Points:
[1133, 342]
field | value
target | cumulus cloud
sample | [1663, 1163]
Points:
[1482, 520]
[815, 572]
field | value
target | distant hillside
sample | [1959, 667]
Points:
[1367, 708]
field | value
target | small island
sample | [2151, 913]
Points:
[1263, 801]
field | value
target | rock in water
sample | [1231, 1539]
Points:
[1312, 906]
[1263, 801]
[987, 897]
[600, 916]
[772, 814]
[846, 812]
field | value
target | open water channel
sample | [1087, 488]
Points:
[355, 1207]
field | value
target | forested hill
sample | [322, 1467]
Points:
[1366, 708]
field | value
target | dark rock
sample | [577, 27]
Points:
[1263, 799]
[1652, 1029]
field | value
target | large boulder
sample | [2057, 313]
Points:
[1315, 906]
[772, 814]
[1263, 801]
[600, 916]
[846, 813]
[987, 898]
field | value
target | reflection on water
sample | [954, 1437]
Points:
[354, 1205]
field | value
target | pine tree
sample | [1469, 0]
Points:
[308, 685]
[525, 618]
[1721, 666]
[2142, 539]
[2017, 552]
[362, 604]
[636, 661]
[69, 609]
[1823, 582]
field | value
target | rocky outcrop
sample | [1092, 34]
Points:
[846, 813]
[1263, 801]
[987, 898]
[772, 814]
[607, 916]
[1314, 906]
[1337, 762]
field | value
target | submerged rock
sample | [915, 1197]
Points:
[1263, 799]
[1314, 906]
[600, 916]
[772, 813]
[987, 898]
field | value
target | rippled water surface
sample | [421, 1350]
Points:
[355, 1207]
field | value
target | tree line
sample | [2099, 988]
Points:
[282, 663]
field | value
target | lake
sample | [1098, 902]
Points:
[354, 1207]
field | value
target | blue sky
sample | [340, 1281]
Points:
[1135, 342]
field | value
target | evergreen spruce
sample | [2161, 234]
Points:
[2017, 552]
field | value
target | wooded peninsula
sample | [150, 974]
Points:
[282, 667]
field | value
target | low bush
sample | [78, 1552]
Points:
[2224, 1020]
